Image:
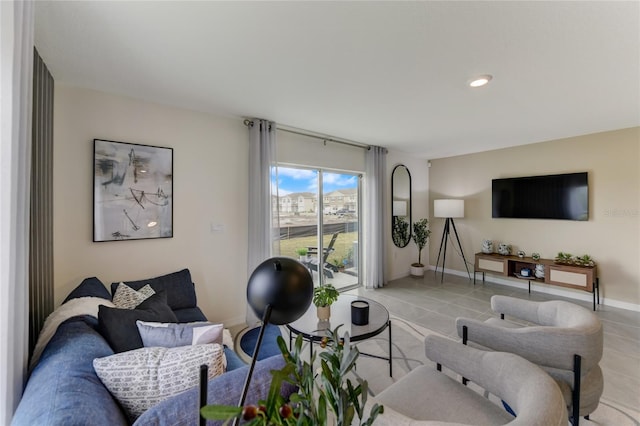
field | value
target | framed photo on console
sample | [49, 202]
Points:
[132, 191]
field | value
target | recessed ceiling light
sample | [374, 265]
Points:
[480, 80]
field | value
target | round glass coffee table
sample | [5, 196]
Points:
[313, 330]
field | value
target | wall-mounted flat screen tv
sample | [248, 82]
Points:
[564, 196]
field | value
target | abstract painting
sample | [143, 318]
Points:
[132, 191]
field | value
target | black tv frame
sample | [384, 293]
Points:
[559, 196]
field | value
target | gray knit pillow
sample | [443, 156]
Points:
[141, 378]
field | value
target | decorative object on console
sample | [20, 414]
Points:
[449, 209]
[487, 246]
[420, 237]
[539, 272]
[563, 257]
[132, 191]
[504, 249]
[521, 254]
[525, 272]
[584, 260]
[535, 256]
[323, 297]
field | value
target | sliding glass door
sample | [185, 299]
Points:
[318, 214]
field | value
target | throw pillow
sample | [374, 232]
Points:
[89, 287]
[181, 292]
[142, 378]
[118, 326]
[171, 335]
[127, 298]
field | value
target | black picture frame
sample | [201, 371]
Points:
[132, 191]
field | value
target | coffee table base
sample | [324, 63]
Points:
[312, 341]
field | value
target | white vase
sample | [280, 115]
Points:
[417, 271]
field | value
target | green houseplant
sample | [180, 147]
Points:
[302, 252]
[323, 297]
[420, 237]
[322, 393]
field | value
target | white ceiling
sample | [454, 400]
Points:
[385, 73]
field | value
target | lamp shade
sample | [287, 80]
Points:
[284, 284]
[448, 208]
[399, 208]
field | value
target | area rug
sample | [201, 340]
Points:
[408, 353]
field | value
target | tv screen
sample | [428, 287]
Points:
[564, 196]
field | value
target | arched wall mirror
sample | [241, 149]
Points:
[401, 205]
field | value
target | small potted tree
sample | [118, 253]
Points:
[323, 297]
[420, 236]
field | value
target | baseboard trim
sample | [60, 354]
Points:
[538, 288]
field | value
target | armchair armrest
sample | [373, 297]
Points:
[519, 308]
[541, 345]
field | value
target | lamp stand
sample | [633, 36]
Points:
[443, 246]
[254, 358]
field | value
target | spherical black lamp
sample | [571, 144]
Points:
[285, 285]
[279, 291]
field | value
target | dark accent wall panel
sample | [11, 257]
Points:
[41, 221]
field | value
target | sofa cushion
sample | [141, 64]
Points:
[118, 326]
[127, 298]
[189, 315]
[180, 290]
[171, 335]
[141, 378]
[63, 388]
[226, 389]
[89, 287]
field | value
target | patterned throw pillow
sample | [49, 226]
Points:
[141, 378]
[128, 298]
[171, 335]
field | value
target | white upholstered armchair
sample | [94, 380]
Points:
[426, 396]
[563, 338]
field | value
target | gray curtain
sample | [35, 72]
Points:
[16, 33]
[262, 157]
[375, 217]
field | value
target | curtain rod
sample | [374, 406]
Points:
[301, 132]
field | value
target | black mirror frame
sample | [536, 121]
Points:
[394, 219]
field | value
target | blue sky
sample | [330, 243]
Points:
[306, 180]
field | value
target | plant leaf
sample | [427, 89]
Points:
[220, 412]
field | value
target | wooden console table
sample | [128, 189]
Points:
[571, 276]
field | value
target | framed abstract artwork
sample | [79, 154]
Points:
[132, 191]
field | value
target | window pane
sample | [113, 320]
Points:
[340, 219]
[300, 222]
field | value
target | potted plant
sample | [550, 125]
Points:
[302, 252]
[323, 297]
[325, 395]
[420, 236]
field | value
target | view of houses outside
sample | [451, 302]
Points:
[297, 198]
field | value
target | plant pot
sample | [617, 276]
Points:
[417, 270]
[324, 312]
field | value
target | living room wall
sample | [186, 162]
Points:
[210, 188]
[611, 235]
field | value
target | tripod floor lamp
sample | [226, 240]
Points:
[449, 209]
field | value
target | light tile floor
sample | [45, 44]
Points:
[427, 302]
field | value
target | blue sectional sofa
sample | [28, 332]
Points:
[63, 388]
